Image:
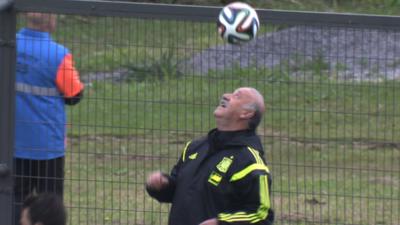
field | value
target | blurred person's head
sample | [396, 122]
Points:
[43, 209]
[243, 109]
[45, 22]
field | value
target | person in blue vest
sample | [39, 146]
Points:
[46, 80]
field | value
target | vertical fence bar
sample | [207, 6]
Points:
[7, 102]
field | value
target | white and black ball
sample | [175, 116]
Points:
[238, 23]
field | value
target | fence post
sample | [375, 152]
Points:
[7, 108]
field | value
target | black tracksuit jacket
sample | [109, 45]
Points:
[221, 176]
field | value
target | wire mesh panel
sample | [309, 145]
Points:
[331, 131]
[333, 125]
[140, 109]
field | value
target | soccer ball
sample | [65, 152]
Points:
[238, 23]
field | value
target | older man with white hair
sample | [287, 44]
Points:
[221, 178]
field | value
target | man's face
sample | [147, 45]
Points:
[25, 219]
[52, 22]
[231, 105]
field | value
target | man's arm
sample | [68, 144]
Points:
[162, 186]
[252, 204]
[68, 82]
[74, 100]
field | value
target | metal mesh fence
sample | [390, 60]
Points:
[331, 130]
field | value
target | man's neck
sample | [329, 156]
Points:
[232, 128]
[38, 28]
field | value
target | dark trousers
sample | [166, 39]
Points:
[36, 176]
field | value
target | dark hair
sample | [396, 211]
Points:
[46, 208]
[255, 120]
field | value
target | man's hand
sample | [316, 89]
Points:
[157, 181]
[212, 221]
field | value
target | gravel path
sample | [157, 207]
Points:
[348, 53]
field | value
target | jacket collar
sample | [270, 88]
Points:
[34, 33]
[225, 139]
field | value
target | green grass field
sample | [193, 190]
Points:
[330, 183]
[332, 146]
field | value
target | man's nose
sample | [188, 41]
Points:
[227, 96]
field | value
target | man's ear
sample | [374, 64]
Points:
[247, 114]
